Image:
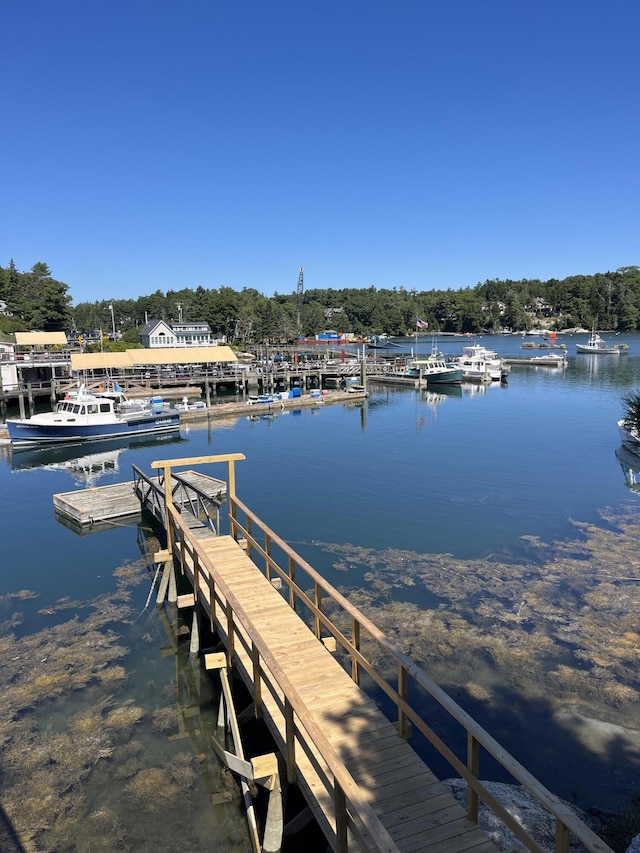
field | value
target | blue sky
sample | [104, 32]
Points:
[154, 145]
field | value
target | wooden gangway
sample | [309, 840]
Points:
[304, 651]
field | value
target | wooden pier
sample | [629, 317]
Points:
[304, 652]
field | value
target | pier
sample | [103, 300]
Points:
[319, 673]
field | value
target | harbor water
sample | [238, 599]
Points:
[491, 531]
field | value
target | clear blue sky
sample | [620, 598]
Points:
[149, 144]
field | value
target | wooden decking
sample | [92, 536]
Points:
[415, 808]
[89, 507]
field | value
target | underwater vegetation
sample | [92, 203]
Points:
[84, 766]
[562, 624]
[543, 647]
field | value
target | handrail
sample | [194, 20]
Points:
[566, 820]
[345, 786]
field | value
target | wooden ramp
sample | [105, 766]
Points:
[418, 811]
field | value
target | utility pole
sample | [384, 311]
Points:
[299, 296]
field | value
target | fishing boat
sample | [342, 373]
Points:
[437, 371]
[480, 364]
[598, 346]
[92, 417]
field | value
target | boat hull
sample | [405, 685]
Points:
[447, 377]
[24, 433]
[586, 349]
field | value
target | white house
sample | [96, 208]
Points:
[158, 334]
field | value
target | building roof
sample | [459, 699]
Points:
[152, 325]
[141, 357]
[38, 339]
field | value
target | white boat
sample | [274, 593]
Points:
[597, 346]
[92, 417]
[480, 364]
[186, 406]
[629, 436]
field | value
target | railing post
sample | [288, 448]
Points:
[473, 766]
[292, 577]
[340, 803]
[267, 548]
[231, 476]
[182, 551]
[230, 633]
[196, 576]
[290, 742]
[212, 601]
[248, 522]
[563, 837]
[168, 502]
[316, 618]
[403, 692]
[355, 640]
[257, 681]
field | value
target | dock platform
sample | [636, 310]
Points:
[191, 492]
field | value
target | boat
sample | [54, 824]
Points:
[629, 435]
[552, 359]
[383, 344]
[480, 364]
[437, 371]
[629, 424]
[630, 464]
[598, 346]
[92, 417]
[186, 406]
[254, 399]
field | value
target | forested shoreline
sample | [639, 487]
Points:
[610, 300]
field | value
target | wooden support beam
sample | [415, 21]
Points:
[186, 600]
[164, 582]
[215, 660]
[173, 589]
[264, 767]
[161, 556]
[194, 645]
[330, 644]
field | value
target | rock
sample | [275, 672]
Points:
[528, 812]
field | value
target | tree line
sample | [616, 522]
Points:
[611, 300]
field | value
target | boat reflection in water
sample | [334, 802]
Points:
[86, 468]
[630, 464]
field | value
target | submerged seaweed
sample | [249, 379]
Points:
[67, 738]
[562, 625]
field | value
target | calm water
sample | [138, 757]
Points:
[465, 474]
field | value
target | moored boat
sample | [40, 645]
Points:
[629, 424]
[480, 364]
[598, 346]
[437, 371]
[92, 417]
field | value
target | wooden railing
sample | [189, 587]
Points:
[311, 596]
